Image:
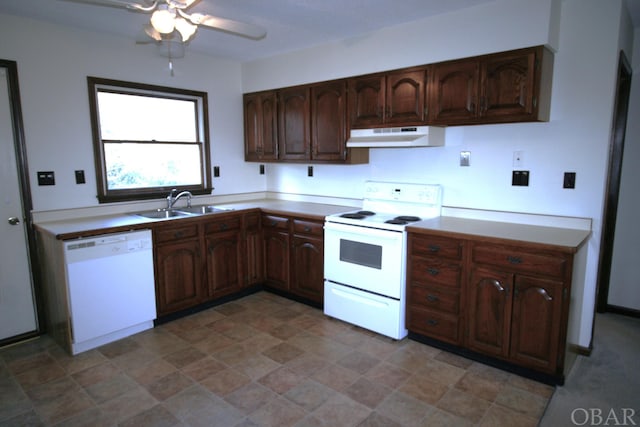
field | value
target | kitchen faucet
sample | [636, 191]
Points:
[171, 199]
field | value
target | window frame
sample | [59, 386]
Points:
[96, 84]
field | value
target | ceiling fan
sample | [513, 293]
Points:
[170, 19]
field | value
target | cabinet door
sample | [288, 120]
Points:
[454, 92]
[253, 241]
[260, 126]
[307, 276]
[489, 311]
[178, 276]
[294, 120]
[536, 319]
[328, 121]
[366, 101]
[507, 86]
[405, 98]
[224, 268]
[276, 256]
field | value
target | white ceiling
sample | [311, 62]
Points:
[290, 24]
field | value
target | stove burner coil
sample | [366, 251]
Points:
[357, 215]
[407, 218]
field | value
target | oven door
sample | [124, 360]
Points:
[365, 258]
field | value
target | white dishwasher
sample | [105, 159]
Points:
[111, 291]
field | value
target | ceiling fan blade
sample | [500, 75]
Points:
[183, 4]
[236, 27]
[146, 6]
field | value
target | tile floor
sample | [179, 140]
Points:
[259, 361]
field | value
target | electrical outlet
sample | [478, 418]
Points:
[46, 178]
[520, 178]
[465, 158]
[309, 170]
[261, 169]
[216, 171]
[569, 180]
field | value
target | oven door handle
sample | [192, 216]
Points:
[353, 229]
[359, 298]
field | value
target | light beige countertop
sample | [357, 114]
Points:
[563, 237]
[91, 226]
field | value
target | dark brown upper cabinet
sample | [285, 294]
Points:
[261, 126]
[513, 86]
[329, 121]
[394, 98]
[294, 130]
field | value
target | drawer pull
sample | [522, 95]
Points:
[178, 234]
[273, 223]
[434, 248]
[514, 259]
[433, 271]
[432, 322]
[224, 226]
[307, 228]
[432, 298]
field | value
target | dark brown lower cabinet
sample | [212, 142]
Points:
[510, 301]
[307, 260]
[294, 256]
[224, 254]
[178, 268]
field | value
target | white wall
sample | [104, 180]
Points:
[587, 37]
[53, 64]
[624, 290]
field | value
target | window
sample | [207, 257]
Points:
[148, 140]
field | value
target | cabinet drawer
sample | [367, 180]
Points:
[434, 270]
[308, 227]
[520, 261]
[434, 324]
[435, 298]
[165, 234]
[271, 221]
[222, 224]
[439, 246]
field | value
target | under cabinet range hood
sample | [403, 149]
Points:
[416, 136]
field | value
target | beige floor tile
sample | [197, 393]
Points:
[262, 360]
[498, 416]
[464, 405]
[522, 401]
[340, 410]
[278, 413]
[403, 408]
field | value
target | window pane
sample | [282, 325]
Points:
[131, 165]
[126, 117]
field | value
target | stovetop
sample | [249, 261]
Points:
[392, 206]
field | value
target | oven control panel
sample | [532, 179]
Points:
[429, 194]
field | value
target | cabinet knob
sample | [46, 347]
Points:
[432, 298]
[514, 259]
[434, 248]
[223, 226]
[433, 271]
[307, 228]
[432, 322]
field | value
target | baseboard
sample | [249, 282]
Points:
[623, 310]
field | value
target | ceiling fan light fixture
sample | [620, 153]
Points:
[163, 20]
[186, 29]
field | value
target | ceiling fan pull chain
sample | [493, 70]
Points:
[170, 59]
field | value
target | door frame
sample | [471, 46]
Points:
[610, 210]
[11, 68]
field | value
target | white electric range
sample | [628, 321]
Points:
[365, 255]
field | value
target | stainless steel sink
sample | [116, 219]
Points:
[201, 210]
[162, 214]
